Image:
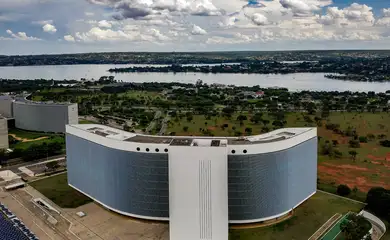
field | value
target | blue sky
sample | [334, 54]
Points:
[67, 26]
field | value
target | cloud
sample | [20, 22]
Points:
[49, 28]
[128, 33]
[69, 38]
[136, 9]
[301, 8]
[355, 15]
[237, 38]
[196, 30]
[21, 36]
[104, 24]
[384, 21]
[259, 19]
[89, 14]
[42, 22]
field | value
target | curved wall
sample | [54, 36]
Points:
[261, 186]
[132, 183]
[265, 186]
[44, 117]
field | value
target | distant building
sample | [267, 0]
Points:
[38, 116]
[3, 133]
[259, 94]
[6, 106]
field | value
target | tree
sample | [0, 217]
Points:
[327, 149]
[265, 122]
[378, 201]
[242, 118]
[385, 143]
[185, 128]
[356, 227]
[337, 153]
[335, 143]
[343, 190]
[363, 139]
[353, 154]
[354, 144]
[248, 130]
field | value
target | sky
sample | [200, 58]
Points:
[74, 26]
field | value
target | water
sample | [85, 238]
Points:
[294, 82]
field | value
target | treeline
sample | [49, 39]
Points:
[15, 85]
[34, 151]
[186, 57]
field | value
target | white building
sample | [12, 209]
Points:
[198, 184]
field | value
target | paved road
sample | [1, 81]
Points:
[164, 126]
[153, 122]
[14, 168]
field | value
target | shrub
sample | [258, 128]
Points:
[363, 139]
[354, 144]
[343, 190]
[385, 143]
[337, 153]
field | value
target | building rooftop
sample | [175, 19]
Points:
[21, 99]
[120, 135]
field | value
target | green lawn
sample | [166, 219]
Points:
[83, 121]
[25, 145]
[307, 218]
[27, 134]
[56, 189]
[142, 95]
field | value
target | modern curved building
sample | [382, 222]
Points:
[44, 117]
[39, 116]
[198, 184]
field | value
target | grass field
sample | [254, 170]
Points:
[372, 165]
[25, 145]
[306, 220]
[86, 122]
[56, 189]
[142, 95]
[27, 134]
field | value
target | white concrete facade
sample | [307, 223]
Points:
[4, 144]
[198, 193]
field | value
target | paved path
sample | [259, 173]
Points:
[164, 126]
[15, 168]
[153, 122]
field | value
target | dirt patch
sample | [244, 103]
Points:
[26, 139]
[373, 158]
[353, 176]
[211, 128]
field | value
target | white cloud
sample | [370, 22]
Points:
[42, 22]
[104, 24]
[89, 14]
[21, 36]
[49, 28]
[259, 19]
[196, 30]
[141, 8]
[303, 8]
[69, 38]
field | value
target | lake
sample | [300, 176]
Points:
[294, 82]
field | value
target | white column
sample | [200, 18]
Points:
[198, 193]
